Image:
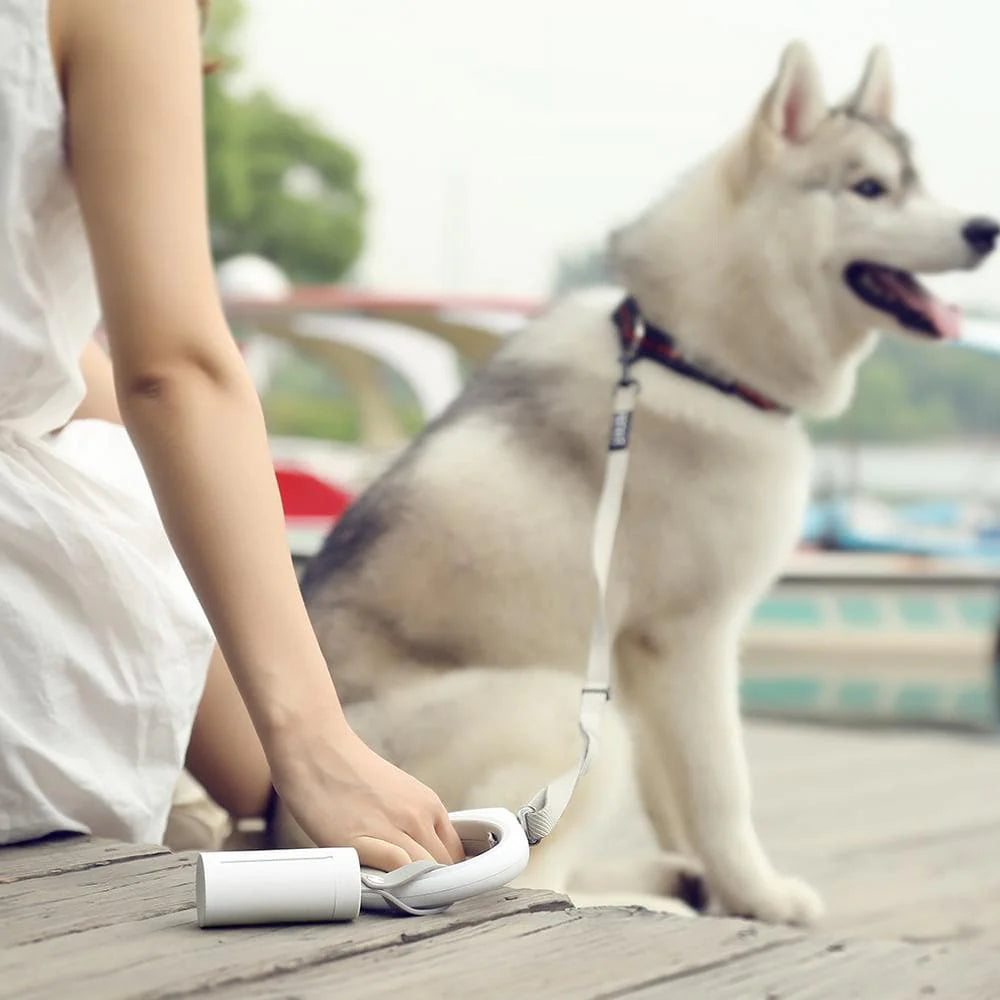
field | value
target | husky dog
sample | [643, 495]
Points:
[454, 600]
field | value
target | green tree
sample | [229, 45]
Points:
[278, 184]
[911, 390]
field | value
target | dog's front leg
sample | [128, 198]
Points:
[683, 694]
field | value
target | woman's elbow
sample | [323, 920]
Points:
[168, 371]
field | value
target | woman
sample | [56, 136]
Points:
[104, 649]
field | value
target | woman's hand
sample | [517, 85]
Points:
[344, 794]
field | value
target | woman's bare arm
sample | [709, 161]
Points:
[133, 91]
[224, 752]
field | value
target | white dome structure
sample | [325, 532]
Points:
[248, 276]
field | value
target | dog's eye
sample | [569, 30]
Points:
[870, 188]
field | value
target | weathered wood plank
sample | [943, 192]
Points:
[824, 789]
[897, 828]
[812, 969]
[53, 855]
[130, 930]
[575, 954]
[941, 888]
[33, 910]
[167, 955]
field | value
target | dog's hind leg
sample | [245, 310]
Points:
[552, 861]
[567, 861]
[621, 870]
[596, 801]
[484, 737]
[671, 883]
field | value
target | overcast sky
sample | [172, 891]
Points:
[493, 136]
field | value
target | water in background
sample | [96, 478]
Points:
[962, 471]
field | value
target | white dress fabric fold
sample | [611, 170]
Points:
[103, 645]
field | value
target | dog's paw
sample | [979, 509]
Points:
[780, 899]
[671, 876]
[684, 879]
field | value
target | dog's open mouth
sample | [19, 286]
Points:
[902, 296]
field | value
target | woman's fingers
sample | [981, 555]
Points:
[400, 848]
[390, 851]
[413, 847]
[432, 829]
[449, 838]
[380, 854]
[432, 842]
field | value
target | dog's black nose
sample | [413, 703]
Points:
[981, 233]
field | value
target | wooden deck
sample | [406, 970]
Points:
[901, 831]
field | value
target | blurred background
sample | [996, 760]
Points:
[394, 187]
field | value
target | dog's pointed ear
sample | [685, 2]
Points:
[874, 94]
[795, 104]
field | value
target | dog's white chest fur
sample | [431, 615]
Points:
[709, 519]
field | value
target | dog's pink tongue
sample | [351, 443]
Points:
[946, 319]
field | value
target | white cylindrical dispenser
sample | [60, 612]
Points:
[312, 885]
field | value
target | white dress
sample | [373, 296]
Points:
[103, 645]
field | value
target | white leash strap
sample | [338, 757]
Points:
[381, 885]
[540, 815]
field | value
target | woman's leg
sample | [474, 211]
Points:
[225, 754]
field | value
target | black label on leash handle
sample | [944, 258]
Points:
[621, 429]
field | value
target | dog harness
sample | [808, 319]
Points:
[660, 346]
